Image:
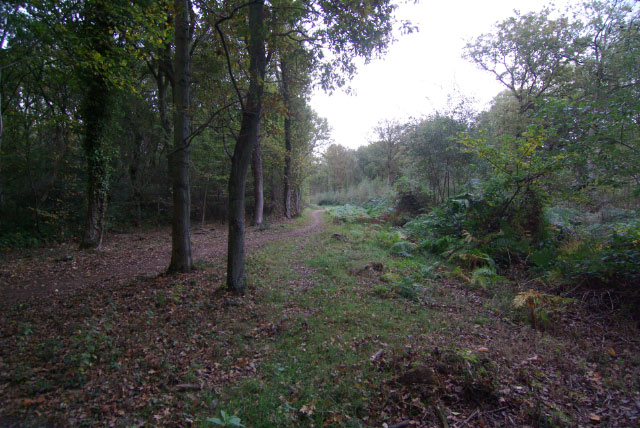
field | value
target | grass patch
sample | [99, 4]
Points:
[318, 372]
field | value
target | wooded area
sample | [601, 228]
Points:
[184, 244]
[547, 177]
[96, 95]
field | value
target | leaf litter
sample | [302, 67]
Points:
[162, 350]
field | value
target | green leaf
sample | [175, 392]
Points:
[216, 421]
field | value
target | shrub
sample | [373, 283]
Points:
[540, 307]
[503, 226]
[19, 240]
[610, 258]
[360, 193]
[408, 289]
[349, 213]
[483, 277]
[403, 248]
[388, 238]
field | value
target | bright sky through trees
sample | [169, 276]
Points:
[420, 69]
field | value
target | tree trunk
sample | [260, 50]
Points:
[296, 194]
[258, 184]
[133, 177]
[286, 96]
[247, 139]
[96, 115]
[1, 130]
[204, 203]
[181, 258]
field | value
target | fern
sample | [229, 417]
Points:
[470, 258]
[541, 306]
[403, 248]
[483, 277]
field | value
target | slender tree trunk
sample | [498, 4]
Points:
[204, 203]
[388, 172]
[258, 184]
[1, 130]
[247, 139]
[34, 190]
[181, 258]
[165, 122]
[296, 194]
[133, 177]
[286, 96]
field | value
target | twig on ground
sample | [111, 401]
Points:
[441, 415]
[466, 421]
[401, 424]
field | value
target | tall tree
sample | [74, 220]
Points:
[391, 139]
[181, 257]
[286, 97]
[348, 29]
[96, 30]
[247, 138]
[529, 54]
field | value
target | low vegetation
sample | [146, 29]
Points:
[339, 329]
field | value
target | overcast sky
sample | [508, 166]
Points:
[420, 69]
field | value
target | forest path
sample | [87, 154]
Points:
[64, 270]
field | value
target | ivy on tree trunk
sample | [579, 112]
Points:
[96, 114]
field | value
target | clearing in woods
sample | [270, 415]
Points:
[334, 332]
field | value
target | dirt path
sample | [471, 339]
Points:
[64, 269]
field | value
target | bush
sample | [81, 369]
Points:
[19, 240]
[360, 193]
[504, 226]
[609, 258]
[378, 206]
[349, 213]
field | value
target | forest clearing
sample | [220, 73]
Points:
[324, 338]
[316, 213]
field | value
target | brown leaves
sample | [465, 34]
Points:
[27, 402]
[594, 418]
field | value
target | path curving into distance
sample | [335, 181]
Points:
[63, 270]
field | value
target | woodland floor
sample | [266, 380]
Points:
[36, 274]
[324, 338]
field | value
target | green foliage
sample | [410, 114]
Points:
[470, 258]
[480, 227]
[432, 271]
[348, 213]
[611, 258]
[521, 160]
[361, 193]
[484, 277]
[226, 420]
[436, 161]
[544, 258]
[540, 307]
[387, 238]
[408, 289]
[403, 248]
[19, 239]
[378, 206]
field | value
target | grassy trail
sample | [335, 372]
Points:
[362, 338]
